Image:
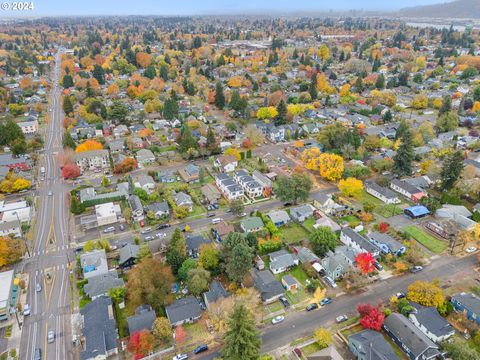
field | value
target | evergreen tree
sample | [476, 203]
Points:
[241, 341]
[359, 85]
[164, 72]
[402, 128]
[380, 83]
[118, 111]
[170, 109]
[211, 141]
[150, 72]
[452, 168]
[446, 105]
[219, 96]
[67, 81]
[176, 251]
[402, 161]
[387, 117]
[313, 87]
[99, 74]
[68, 141]
[235, 100]
[187, 141]
[281, 118]
[67, 105]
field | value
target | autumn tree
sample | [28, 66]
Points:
[140, 344]
[241, 340]
[371, 317]
[149, 282]
[323, 337]
[322, 240]
[127, 165]
[162, 330]
[365, 262]
[143, 59]
[208, 257]
[426, 294]
[350, 187]
[70, 171]
[293, 189]
[198, 280]
[89, 145]
[10, 250]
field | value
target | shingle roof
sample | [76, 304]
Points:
[373, 345]
[142, 320]
[215, 292]
[266, 284]
[183, 309]
[100, 284]
[432, 320]
[127, 252]
[469, 301]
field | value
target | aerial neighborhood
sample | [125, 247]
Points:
[240, 188]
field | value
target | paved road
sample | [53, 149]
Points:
[301, 324]
[48, 264]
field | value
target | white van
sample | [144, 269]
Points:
[216, 220]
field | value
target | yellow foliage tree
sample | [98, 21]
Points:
[476, 106]
[330, 166]
[89, 145]
[21, 184]
[350, 187]
[437, 103]
[113, 89]
[319, 294]
[323, 337]
[235, 82]
[345, 90]
[324, 53]
[420, 101]
[426, 294]
[234, 152]
[267, 113]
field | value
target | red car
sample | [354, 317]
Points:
[142, 223]
[298, 352]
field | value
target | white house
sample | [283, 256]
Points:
[351, 238]
[107, 213]
[91, 160]
[226, 163]
[382, 193]
[10, 228]
[431, 323]
[14, 211]
[29, 127]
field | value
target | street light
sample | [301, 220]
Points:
[21, 233]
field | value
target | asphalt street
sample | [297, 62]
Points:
[50, 253]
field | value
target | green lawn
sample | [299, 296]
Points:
[293, 233]
[431, 243]
[296, 297]
[272, 308]
[389, 210]
[298, 273]
[196, 211]
[308, 224]
[365, 197]
[310, 349]
[352, 221]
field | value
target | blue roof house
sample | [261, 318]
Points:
[468, 304]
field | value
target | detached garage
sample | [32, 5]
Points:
[416, 212]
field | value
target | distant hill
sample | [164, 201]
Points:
[467, 9]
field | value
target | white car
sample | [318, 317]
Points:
[471, 249]
[51, 336]
[278, 319]
[26, 310]
[161, 235]
[180, 357]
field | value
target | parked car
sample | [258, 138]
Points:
[149, 238]
[400, 295]
[180, 357]
[163, 226]
[341, 318]
[325, 301]
[122, 227]
[161, 235]
[278, 319]
[26, 310]
[298, 352]
[146, 230]
[284, 301]
[38, 287]
[416, 269]
[210, 214]
[471, 249]
[50, 193]
[51, 336]
[311, 307]
[378, 266]
[109, 230]
[201, 348]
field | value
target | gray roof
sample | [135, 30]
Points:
[281, 259]
[100, 284]
[386, 239]
[469, 301]
[389, 194]
[432, 320]
[183, 310]
[182, 198]
[135, 203]
[406, 186]
[372, 345]
[302, 210]
[142, 320]
[194, 242]
[266, 284]
[278, 216]
[99, 328]
[289, 280]
[305, 255]
[415, 340]
[215, 292]
[127, 252]
[158, 207]
[360, 240]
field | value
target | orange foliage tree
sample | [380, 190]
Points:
[89, 145]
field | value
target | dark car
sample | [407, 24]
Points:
[201, 348]
[163, 226]
[378, 266]
[298, 352]
[311, 307]
[210, 214]
[284, 301]
[37, 355]
[325, 301]
[416, 269]
[287, 204]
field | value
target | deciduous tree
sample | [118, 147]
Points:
[176, 250]
[365, 262]
[426, 294]
[323, 337]
[350, 187]
[293, 189]
[70, 171]
[371, 317]
[322, 240]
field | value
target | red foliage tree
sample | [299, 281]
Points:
[129, 164]
[70, 170]
[365, 262]
[140, 344]
[247, 144]
[383, 227]
[371, 317]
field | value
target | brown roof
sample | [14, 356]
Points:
[226, 159]
[224, 228]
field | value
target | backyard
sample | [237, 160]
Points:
[431, 243]
[293, 233]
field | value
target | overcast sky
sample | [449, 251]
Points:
[188, 7]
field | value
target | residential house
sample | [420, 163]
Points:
[107, 213]
[467, 303]
[339, 262]
[116, 146]
[305, 255]
[166, 176]
[183, 199]
[459, 214]
[301, 213]
[370, 345]
[382, 193]
[92, 160]
[431, 323]
[94, 263]
[144, 157]
[410, 339]
[326, 221]
[144, 182]
[265, 182]
[226, 163]
[210, 193]
[215, 292]
[409, 191]
[8, 228]
[252, 188]
[137, 208]
[99, 330]
[290, 283]
[270, 289]
[99, 285]
[221, 230]
[281, 261]
[416, 212]
[387, 244]
[128, 255]
[329, 353]
[351, 238]
[15, 162]
[326, 204]
[193, 244]
[230, 189]
[279, 217]
[28, 127]
[251, 224]
[159, 209]
[190, 173]
[182, 311]
[6, 286]
[142, 319]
